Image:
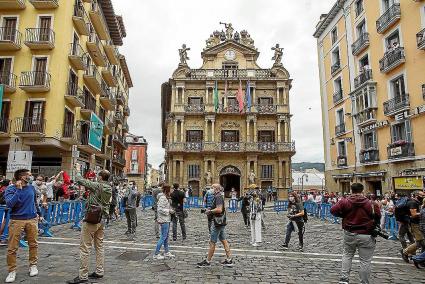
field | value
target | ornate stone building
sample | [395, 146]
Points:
[228, 121]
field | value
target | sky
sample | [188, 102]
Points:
[157, 29]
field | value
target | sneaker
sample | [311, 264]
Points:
[11, 277]
[94, 275]
[127, 233]
[169, 255]
[404, 256]
[33, 270]
[158, 257]
[227, 262]
[77, 280]
[343, 281]
[204, 263]
[300, 248]
[254, 244]
[285, 246]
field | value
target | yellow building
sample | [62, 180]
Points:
[371, 62]
[209, 136]
[65, 84]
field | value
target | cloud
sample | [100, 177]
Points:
[156, 29]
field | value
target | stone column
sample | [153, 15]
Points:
[175, 131]
[248, 136]
[183, 91]
[213, 130]
[206, 131]
[279, 138]
[278, 96]
[255, 131]
[248, 170]
[182, 136]
[174, 171]
[206, 95]
[256, 171]
[182, 177]
[213, 171]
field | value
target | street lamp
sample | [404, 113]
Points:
[302, 181]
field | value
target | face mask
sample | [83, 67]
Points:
[291, 198]
[38, 182]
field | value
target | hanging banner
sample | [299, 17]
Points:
[96, 132]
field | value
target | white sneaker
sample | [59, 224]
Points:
[11, 277]
[255, 245]
[158, 257]
[169, 255]
[33, 270]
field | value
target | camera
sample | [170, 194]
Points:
[377, 231]
[203, 210]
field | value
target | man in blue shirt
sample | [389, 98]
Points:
[21, 199]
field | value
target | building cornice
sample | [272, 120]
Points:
[324, 23]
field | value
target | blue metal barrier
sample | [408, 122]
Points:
[280, 205]
[147, 201]
[391, 226]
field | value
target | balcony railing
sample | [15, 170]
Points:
[340, 129]
[119, 139]
[366, 116]
[401, 149]
[420, 39]
[194, 108]
[230, 146]
[45, 4]
[202, 74]
[30, 125]
[360, 44]
[266, 109]
[98, 19]
[4, 125]
[338, 96]
[119, 160]
[9, 82]
[93, 79]
[341, 161]
[35, 81]
[396, 104]
[12, 4]
[392, 15]
[229, 109]
[75, 95]
[267, 146]
[10, 39]
[392, 59]
[40, 38]
[77, 56]
[335, 68]
[80, 19]
[369, 156]
[193, 146]
[70, 132]
[127, 111]
[363, 77]
[125, 126]
[118, 117]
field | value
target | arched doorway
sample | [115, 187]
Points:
[230, 177]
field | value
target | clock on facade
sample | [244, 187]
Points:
[230, 55]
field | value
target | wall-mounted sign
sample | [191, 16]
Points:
[409, 114]
[408, 183]
[96, 132]
[376, 125]
[397, 151]
[17, 160]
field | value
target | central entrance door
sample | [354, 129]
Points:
[230, 177]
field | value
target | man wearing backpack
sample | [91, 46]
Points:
[401, 213]
[414, 206]
[360, 217]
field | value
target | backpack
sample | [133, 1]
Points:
[401, 210]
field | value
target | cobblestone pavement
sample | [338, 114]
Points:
[130, 261]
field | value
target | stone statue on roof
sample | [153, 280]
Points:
[229, 30]
[213, 40]
[278, 52]
[246, 39]
[183, 54]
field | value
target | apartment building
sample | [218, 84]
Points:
[136, 158]
[66, 85]
[371, 62]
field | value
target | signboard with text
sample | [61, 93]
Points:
[96, 132]
[408, 183]
[19, 160]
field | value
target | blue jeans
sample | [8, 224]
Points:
[163, 240]
[420, 257]
[217, 233]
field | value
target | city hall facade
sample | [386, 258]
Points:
[228, 121]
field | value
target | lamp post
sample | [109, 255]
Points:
[302, 181]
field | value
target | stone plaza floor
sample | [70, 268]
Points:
[130, 261]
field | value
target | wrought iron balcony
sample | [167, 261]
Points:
[119, 160]
[70, 134]
[35, 81]
[45, 4]
[118, 117]
[392, 59]
[117, 138]
[4, 125]
[390, 17]
[366, 116]
[125, 127]
[193, 146]
[12, 4]
[267, 147]
[111, 52]
[108, 126]
[203, 74]
[335, 68]
[74, 95]
[400, 150]
[363, 77]
[127, 111]
[194, 108]
[230, 146]
[420, 39]
[396, 104]
[369, 156]
[337, 97]
[40, 38]
[94, 47]
[360, 44]
[229, 109]
[92, 79]
[10, 39]
[9, 82]
[77, 56]
[29, 126]
[340, 129]
[80, 19]
[107, 98]
[341, 161]
[109, 76]
[120, 98]
[266, 109]
[98, 20]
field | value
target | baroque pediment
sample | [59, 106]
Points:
[246, 50]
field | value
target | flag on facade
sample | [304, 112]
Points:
[216, 97]
[239, 97]
[248, 96]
